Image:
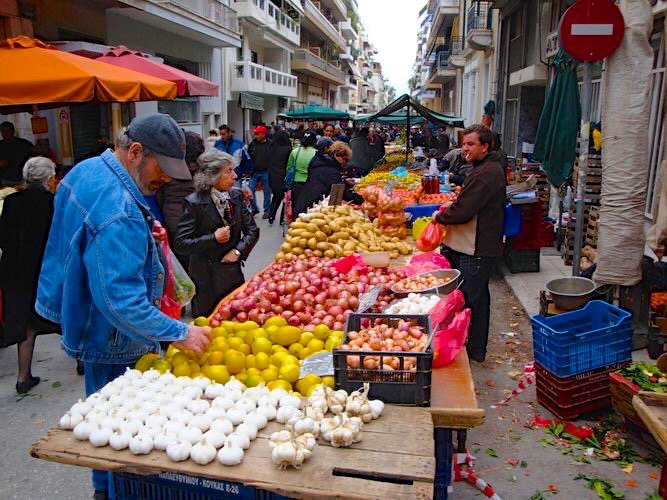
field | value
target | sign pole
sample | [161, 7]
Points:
[407, 135]
[584, 135]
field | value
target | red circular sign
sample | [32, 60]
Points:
[591, 30]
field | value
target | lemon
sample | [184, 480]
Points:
[171, 350]
[338, 334]
[255, 334]
[218, 332]
[161, 365]
[279, 384]
[262, 361]
[289, 359]
[253, 381]
[289, 372]
[241, 376]
[277, 348]
[277, 358]
[261, 344]
[219, 344]
[321, 332]
[303, 352]
[178, 358]
[202, 359]
[228, 325]
[250, 361]
[146, 361]
[218, 373]
[244, 348]
[240, 334]
[234, 361]
[295, 348]
[254, 371]
[181, 370]
[235, 342]
[194, 366]
[286, 335]
[247, 326]
[275, 321]
[216, 358]
[311, 389]
[307, 382]
[270, 374]
[305, 338]
[201, 321]
[315, 345]
[329, 381]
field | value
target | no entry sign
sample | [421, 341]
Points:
[591, 30]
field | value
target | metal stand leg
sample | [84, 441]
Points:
[443, 462]
[461, 436]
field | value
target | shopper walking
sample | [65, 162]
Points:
[212, 138]
[362, 154]
[261, 152]
[474, 236]
[297, 166]
[233, 146]
[14, 152]
[24, 229]
[277, 172]
[101, 276]
[216, 230]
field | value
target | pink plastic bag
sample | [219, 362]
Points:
[425, 262]
[443, 312]
[448, 341]
[350, 263]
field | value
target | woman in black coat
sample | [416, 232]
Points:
[216, 230]
[24, 229]
[277, 171]
[325, 170]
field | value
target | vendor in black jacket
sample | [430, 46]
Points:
[217, 230]
[325, 170]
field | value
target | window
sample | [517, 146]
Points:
[183, 110]
[656, 122]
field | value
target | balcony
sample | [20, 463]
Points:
[478, 25]
[441, 70]
[263, 13]
[337, 8]
[250, 77]
[350, 82]
[304, 61]
[347, 30]
[316, 22]
[456, 58]
[444, 12]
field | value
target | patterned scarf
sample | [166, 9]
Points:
[223, 205]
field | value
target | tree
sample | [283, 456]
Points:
[391, 93]
[412, 83]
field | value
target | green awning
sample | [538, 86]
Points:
[250, 101]
[315, 112]
[406, 101]
[398, 118]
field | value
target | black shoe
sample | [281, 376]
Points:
[23, 387]
[271, 221]
[480, 358]
[265, 215]
[79, 368]
[100, 495]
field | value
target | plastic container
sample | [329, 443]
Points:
[573, 411]
[406, 387]
[421, 210]
[376, 259]
[447, 288]
[521, 261]
[512, 220]
[597, 336]
[532, 215]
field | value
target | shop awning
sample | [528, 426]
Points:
[37, 73]
[398, 118]
[405, 101]
[250, 101]
[316, 112]
[186, 83]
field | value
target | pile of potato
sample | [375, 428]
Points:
[337, 232]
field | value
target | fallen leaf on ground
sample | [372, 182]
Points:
[524, 464]
[628, 469]
[552, 488]
[653, 475]
[491, 452]
[631, 484]
[514, 373]
[512, 461]
[40, 421]
[514, 324]
[490, 383]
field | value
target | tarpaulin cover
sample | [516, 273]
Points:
[625, 112]
[405, 100]
[315, 112]
[556, 139]
[34, 72]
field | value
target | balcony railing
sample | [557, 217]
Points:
[332, 31]
[441, 61]
[310, 58]
[479, 17]
[282, 20]
[213, 10]
[251, 77]
[270, 15]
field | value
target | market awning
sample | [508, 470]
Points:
[398, 118]
[316, 112]
[186, 83]
[250, 101]
[405, 101]
[37, 73]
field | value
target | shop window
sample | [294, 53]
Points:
[183, 110]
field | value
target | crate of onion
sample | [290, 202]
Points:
[393, 351]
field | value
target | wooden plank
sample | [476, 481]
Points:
[652, 409]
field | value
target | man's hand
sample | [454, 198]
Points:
[222, 234]
[230, 257]
[197, 340]
[159, 232]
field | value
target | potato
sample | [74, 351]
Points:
[323, 245]
[303, 243]
[320, 236]
[342, 210]
[312, 243]
[349, 246]
[297, 232]
[288, 256]
[348, 252]
[297, 225]
[393, 255]
[307, 234]
[340, 235]
[285, 247]
[280, 256]
[375, 249]
[318, 253]
[330, 254]
[312, 228]
[326, 229]
[337, 248]
[363, 239]
[297, 251]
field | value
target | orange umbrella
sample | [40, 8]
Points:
[37, 73]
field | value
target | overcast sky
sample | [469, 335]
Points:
[392, 28]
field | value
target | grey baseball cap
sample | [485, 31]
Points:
[161, 134]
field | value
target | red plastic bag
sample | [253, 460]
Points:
[425, 262]
[168, 305]
[431, 237]
[443, 312]
[353, 262]
[448, 341]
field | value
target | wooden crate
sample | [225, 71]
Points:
[592, 228]
[622, 392]
[394, 460]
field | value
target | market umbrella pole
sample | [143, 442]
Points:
[584, 135]
[407, 135]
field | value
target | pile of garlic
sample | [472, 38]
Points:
[414, 303]
[289, 449]
[187, 418]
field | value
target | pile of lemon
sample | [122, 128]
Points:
[270, 354]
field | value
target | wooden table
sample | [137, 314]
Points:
[652, 410]
[394, 460]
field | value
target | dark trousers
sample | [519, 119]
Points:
[278, 196]
[475, 273]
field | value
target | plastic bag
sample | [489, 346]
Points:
[448, 341]
[425, 262]
[419, 225]
[443, 312]
[179, 287]
[353, 262]
[431, 237]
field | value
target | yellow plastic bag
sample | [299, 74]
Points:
[418, 226]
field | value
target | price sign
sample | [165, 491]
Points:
[320, 364]
[368, 299]
[389, 188]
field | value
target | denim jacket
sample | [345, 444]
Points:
[101, 276]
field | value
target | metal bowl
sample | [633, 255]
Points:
[453, 274]
[570, 293]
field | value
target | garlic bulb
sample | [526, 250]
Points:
[289, 400]
[266, 400]
[151, 375]
[203, 452]
[119, 440]
[179, 450]
[100, 437]
[377, 407]
[83, 408]
[150, 430]
[269, 411]
[182, 400]
[93, 399]
[222, 425]
[224, 402]
[103, 407]
[201, 382]
[215, 413]
[234, 384]
[163, 440]
[163, 398]
[327, 426]
[216, 438]
[336, 401]
[248, 405]
[238, 439]
[132, 374]
[117, 399]
[306, 426]
[141, 444]
[140, 415]
[172, 390]
[277, 395]
[111, 422]
[279, 437]
[190, 434]
[201, 421]
[109, 390]
[357, 404]
[192, 392]
[314, 412]
[151, 407]
[286, 414]
[285, 454]
[214, 390]
[181, 382]
[341, 437]
[167, 378]
[95, 417]
[183, 416]
[257, 418]
[173, 427]
[131, 427]
[234, 394]
[198, 406]
[230, 455]
[140, 383]
[69, 420]
[248, 429]
[235, 415]
[83, 429]
[169, 409]
[132, 404]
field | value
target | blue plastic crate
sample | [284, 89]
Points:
[594, 337]
[420, 210]
[174, 486]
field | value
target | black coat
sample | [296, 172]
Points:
[195, 237]
[170, 198]
[323, 172]
[278, 168]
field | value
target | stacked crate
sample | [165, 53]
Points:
[522, 252]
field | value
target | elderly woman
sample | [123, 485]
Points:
[216, 230]
[24, 229]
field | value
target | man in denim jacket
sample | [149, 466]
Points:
[101, 276]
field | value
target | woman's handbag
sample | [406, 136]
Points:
[291, 170]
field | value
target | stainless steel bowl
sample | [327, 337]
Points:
[570, 293]
[454, 274]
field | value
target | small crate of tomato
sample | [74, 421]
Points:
[392, 352]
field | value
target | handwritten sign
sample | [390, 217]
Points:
[320, 364]
[368, 299]
[389, 188]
